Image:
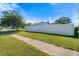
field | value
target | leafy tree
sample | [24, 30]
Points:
[42, 22]
[29, 24]
[63, 20]
[48, 22]
[45, 22]
[12, 18]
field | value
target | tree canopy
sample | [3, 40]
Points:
[63, 20]
[12, 18]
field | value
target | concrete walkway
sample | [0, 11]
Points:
[47, 48]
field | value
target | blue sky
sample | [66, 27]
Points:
[36, 12]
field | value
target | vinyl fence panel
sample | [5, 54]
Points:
[63, 29]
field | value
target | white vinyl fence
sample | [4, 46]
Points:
[63, 29]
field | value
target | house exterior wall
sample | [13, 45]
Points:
[63, 29]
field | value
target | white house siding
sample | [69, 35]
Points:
[64, 29]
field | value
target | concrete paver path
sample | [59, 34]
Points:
[47, 48]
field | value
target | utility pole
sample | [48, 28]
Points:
[78, 20]
[0, 21]
[78, 16]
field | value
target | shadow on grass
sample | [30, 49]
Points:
[7, 32]
[75, 34]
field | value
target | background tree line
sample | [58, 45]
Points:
[61, 20]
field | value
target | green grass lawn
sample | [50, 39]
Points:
[63, 41]
[10, 46]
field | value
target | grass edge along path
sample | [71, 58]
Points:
[66, 42]
[9, 46]
[47, 48]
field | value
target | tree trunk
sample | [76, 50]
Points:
[17, 28]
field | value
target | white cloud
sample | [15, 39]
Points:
[76, 22]
[30, 19]
[8, 6]
[75, 19]
[15, 5]
[4, 7]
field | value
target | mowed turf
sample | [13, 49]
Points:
[63, 41]
[10, 46]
